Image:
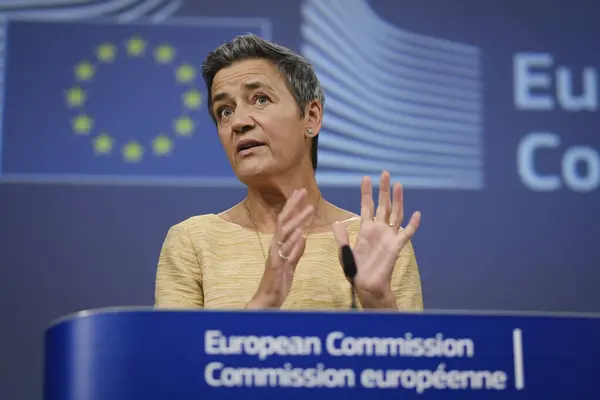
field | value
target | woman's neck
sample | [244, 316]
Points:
[265, 201]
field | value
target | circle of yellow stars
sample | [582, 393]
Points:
[133, 151]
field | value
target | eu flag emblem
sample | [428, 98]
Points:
[102, 102]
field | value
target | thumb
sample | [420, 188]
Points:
[340, 233]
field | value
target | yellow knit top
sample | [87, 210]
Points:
[208, 262]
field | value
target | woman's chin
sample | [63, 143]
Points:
[252, 169]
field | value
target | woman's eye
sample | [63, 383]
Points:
[262, 99]
[225, 112]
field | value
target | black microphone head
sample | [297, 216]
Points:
[348, 262]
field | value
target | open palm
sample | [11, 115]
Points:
[381, 237]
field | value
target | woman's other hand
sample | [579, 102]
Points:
[285, 250]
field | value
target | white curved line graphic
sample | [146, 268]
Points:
[395, 100]
[351, 163]
[332, 179]
[354, 40]
[344, 53]
[362, 98]
[369, 134]
[7, 4]
[139, 11]
[419, 93]
[167, 11]
[398, 125]
[367, 36]
[80, 12]
[434, 49]
[330, 141]
[362, 8]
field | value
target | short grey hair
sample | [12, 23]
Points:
[299, 74]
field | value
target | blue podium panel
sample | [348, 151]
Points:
[146, 354]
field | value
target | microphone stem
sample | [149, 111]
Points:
[352, 295]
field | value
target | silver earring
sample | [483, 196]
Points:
[309, 133]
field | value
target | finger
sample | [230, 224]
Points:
[297, 221]
[297, 250]
[397, 214]
[340, 233]
[366, 199]
[288, 246]
[409, 231]
[291, 206]
[383, 206]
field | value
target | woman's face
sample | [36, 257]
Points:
[258, 120]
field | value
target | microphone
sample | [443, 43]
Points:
[349, 266]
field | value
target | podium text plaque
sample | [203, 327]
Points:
[146, 354]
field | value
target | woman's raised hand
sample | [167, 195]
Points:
[285, 250]
[379, 241]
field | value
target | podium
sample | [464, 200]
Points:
[147, 354]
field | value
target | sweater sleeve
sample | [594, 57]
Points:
[179, 272]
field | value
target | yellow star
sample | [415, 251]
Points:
[106, 52]
[135, 46]
[185, 73]
[184, 126]
[192, 98]
[164, 54]
[84, 71]
[133, 152]
[82, 124]
[103, 144]
[162, 145]
[75, 97]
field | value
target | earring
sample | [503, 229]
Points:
[309, 133]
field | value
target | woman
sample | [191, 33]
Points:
[280, 246]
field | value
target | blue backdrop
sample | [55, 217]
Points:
[486, 111]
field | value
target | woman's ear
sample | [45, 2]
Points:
[314, 117]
